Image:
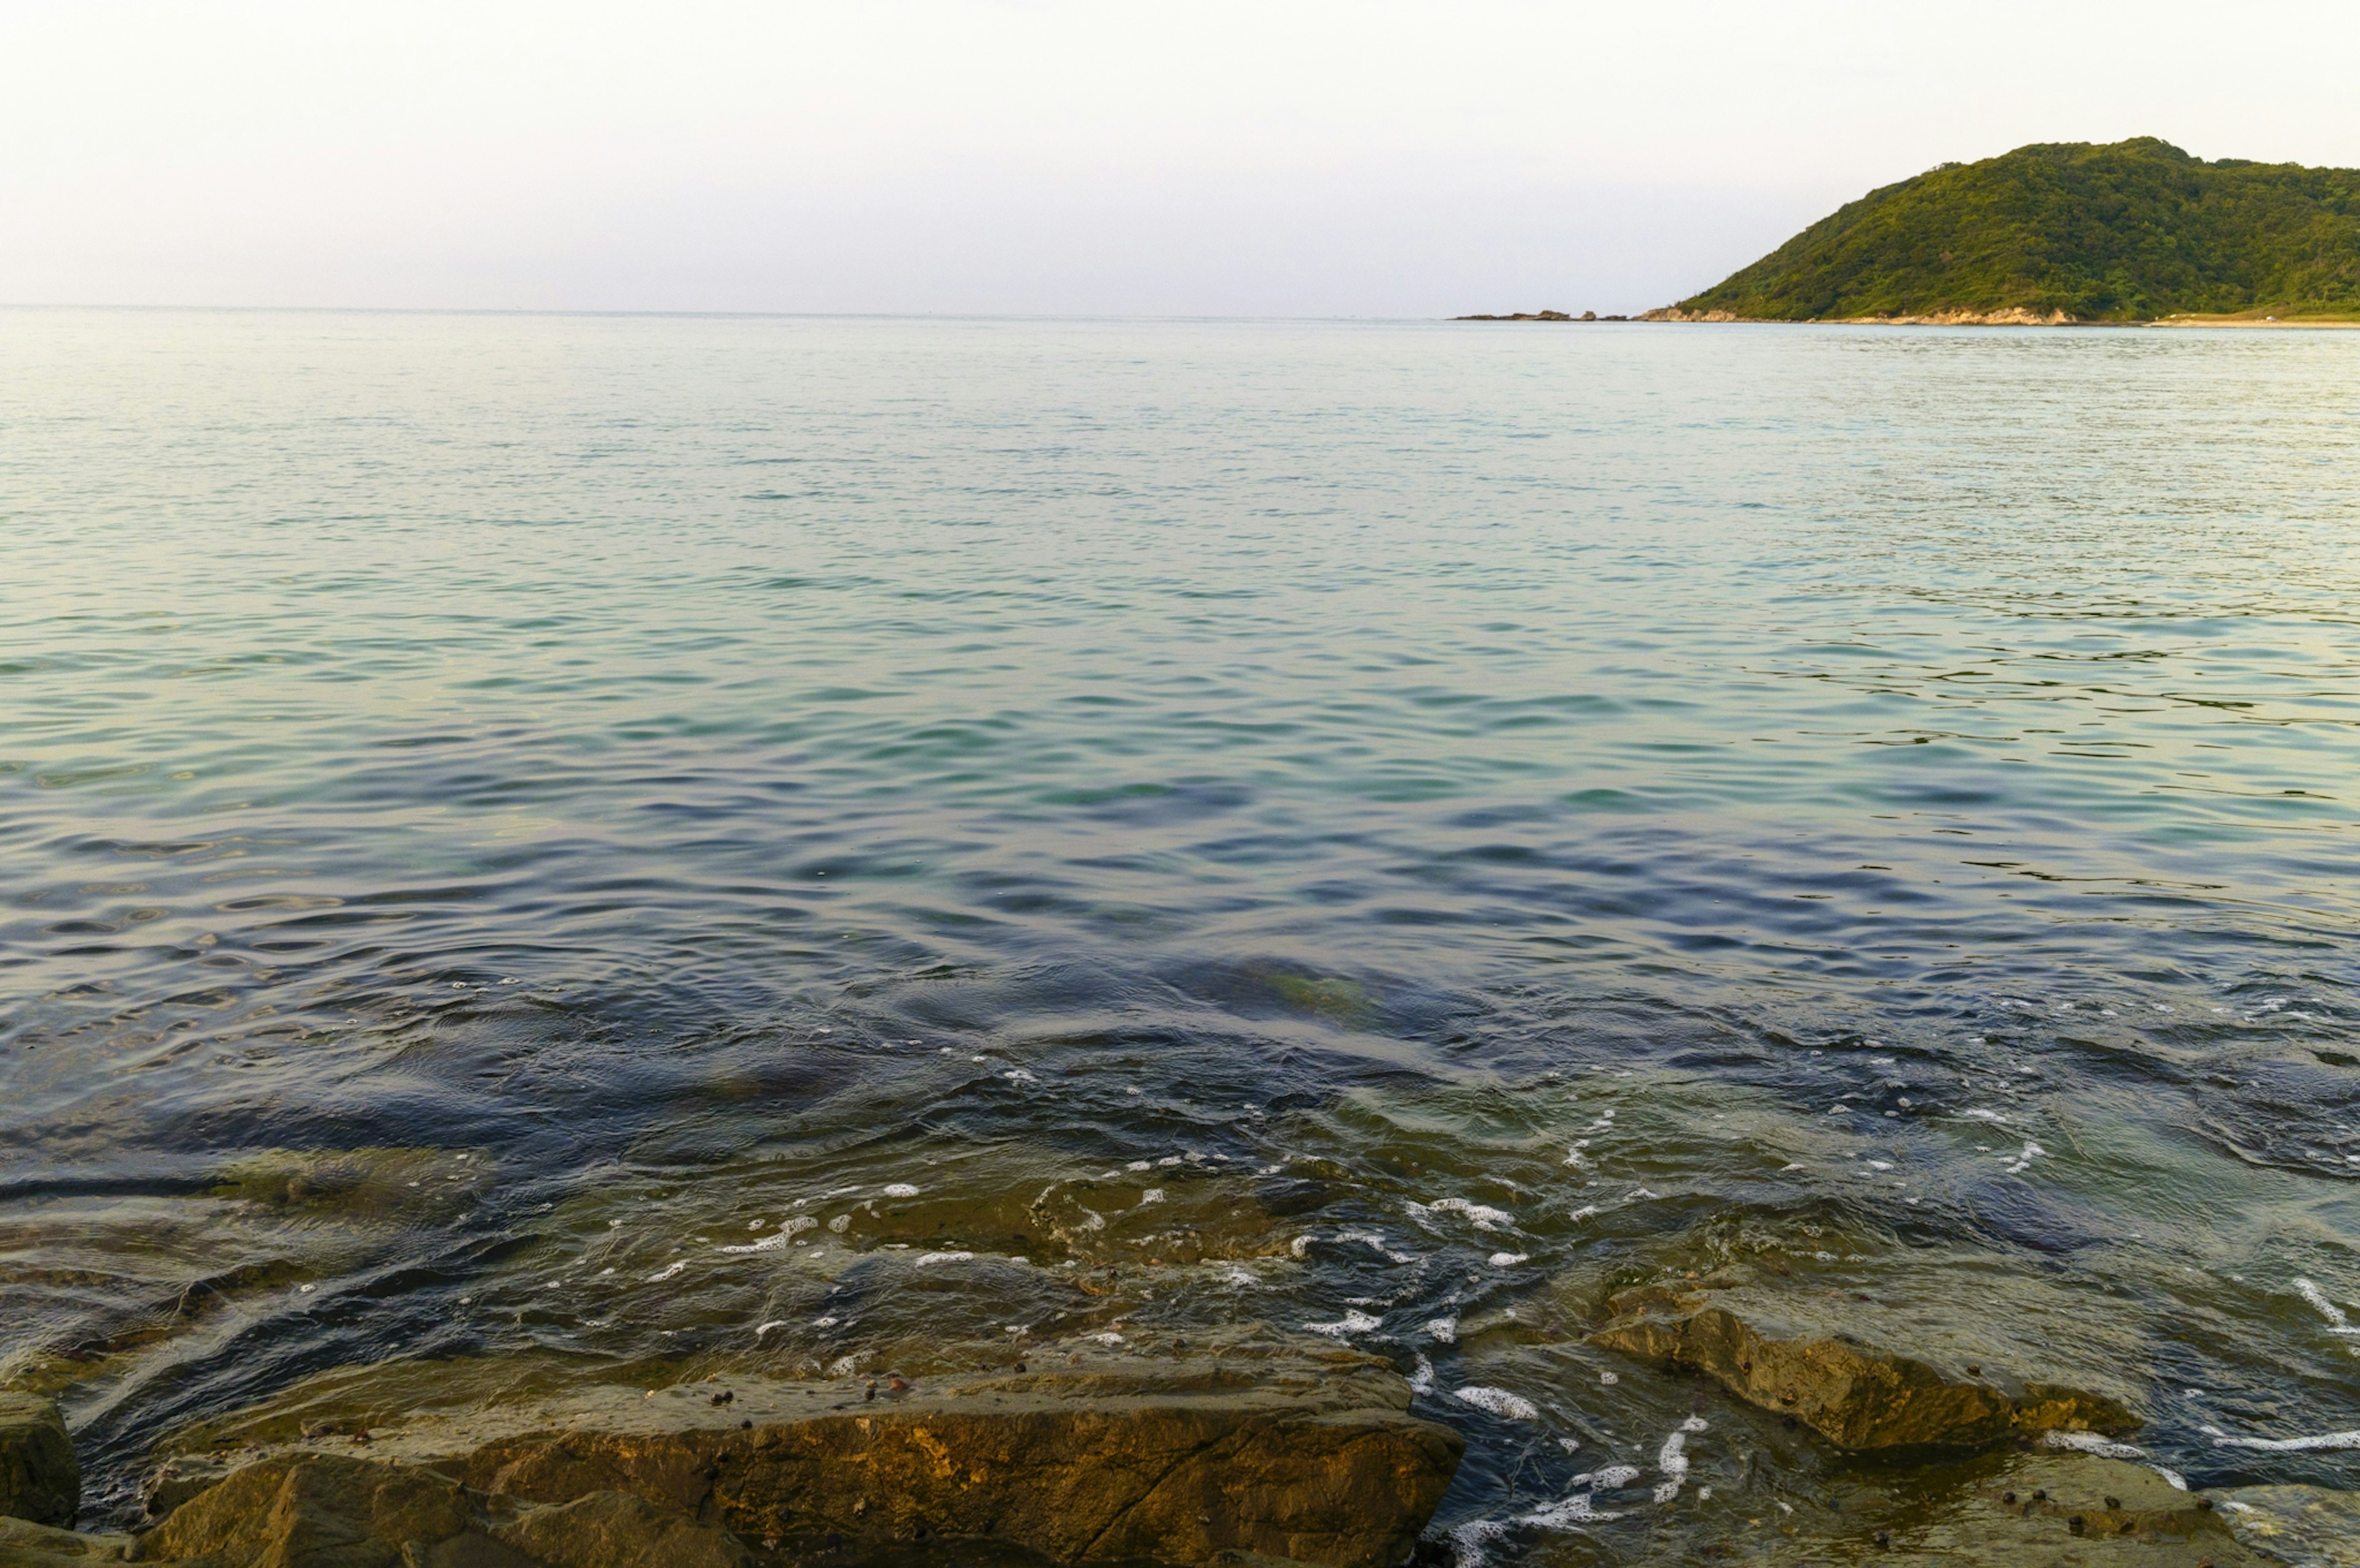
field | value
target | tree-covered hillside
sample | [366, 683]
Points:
[2129, 232]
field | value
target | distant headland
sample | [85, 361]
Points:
[2059, 234]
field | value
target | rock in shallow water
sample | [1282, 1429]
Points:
[1857, 1397]
[39, 1479]
[2308, 1525]
[2071, 1511]
[327, 1511]
[1307, 1456]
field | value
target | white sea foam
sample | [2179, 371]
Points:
[794, 1226]
[2092, 1443]
[2031, 1152]
[2336, 1321]
[1575, 1510]
[1672, 1459]
[2326, 1440]
[1497, 1401]
[1612, 1478]
[1109, 1337]
[1375, 1242]
[1468, 1541]
[1153, 1195]
[661, 1275]
[1421, 1380]
[901, 1190]
[1350, 1323]
[931, 1258]
[1510, 1259]
[761, 1329]
[1483, 1217]
[1445, 1330]
[824, 1322]
[776, 1239]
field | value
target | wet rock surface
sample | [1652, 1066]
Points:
[2069, 1510]
[1303, 1455]
[323, 1510]
[1859, 1397]
[39, 1477]
[2312, 1526]
[24, 1544]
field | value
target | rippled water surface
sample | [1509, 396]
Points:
[496, 812]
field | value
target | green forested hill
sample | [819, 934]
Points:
[2129, 232]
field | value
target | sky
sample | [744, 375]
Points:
[1022, 157]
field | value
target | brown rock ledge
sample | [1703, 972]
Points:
[1859, 1397]
[1306, 1456]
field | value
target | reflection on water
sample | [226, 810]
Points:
[870, 843]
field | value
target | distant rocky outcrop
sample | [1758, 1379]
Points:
[1541, 316]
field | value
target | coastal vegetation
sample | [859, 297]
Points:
[2133, 230]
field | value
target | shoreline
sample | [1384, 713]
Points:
[1674, 316]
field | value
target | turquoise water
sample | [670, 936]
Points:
[683, 762]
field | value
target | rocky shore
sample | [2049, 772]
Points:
[1825, 1385]
[1257, 1448]
[1247, 1450]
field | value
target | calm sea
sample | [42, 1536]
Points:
[494, 808]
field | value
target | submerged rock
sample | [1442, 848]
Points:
[1306, 1456]
[24, 1544]
[1859, 1397]
[2072, 1510]
[2308, 1525]
[179, 1479]
[39, 1479]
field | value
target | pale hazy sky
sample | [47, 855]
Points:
[1021, 156]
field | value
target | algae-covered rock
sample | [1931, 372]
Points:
[177, 1479]
[319, 1510]
[2071, 1511]
[24, 1544]
[359, 1183]
[325, 1510]
[39, 1479]
[1858, 1397]
[1308, 1454]
[2312, 1526]
[616, 1530]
